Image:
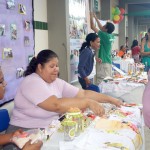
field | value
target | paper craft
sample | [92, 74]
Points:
[7, 53]
[2, 29]
[10, 4]
[13, 29]
[22, 9]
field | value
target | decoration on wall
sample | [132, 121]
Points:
[26, 41]
[19, 72]
[27, 25]
[13, 30]
[29, 58]
[117, 14]
[16, 44]
[2, 29]
[10, 4]
[7, 53]
[22, 9]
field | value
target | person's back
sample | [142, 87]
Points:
[105, 47]
[105, 33]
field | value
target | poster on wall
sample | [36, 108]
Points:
[77, 33]
[16, 42]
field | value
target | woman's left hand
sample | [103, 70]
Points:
[118, 103]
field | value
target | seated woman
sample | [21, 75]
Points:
[122, 51]
[42, 96]
[6, 138]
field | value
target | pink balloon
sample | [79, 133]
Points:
[122, 11]
[121, 17]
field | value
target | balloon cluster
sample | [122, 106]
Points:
[117, 14]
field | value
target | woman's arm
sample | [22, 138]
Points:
[101, 98]
[62, 105]
[5, 138]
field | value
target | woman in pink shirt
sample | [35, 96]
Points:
[6, 138]
[42, 96]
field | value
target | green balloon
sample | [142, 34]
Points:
[117, 11]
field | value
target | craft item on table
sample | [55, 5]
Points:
[33, 135]
[118, 70]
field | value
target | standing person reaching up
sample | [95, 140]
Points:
[105, 34]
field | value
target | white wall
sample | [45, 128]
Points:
[40, 14]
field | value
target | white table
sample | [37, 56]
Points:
[89, 139]
[126, 91]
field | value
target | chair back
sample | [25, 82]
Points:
[4, 119]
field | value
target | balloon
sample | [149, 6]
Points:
[116, 18]
[113, 10]
[117, 11]
[121, 17]
[122, 11]
[115, 22]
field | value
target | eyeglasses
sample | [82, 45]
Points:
[3, 83]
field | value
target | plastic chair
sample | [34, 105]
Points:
[4, 119]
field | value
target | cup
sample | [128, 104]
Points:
[69, 130]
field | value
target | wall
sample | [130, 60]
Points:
[58, 31]
[40, 17]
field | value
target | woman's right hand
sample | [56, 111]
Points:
[97, 108]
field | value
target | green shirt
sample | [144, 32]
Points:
[105, 46]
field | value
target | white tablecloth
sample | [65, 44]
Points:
[129, 92]
[124, 63]
[92, 138]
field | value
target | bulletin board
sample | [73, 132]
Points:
[78, 29]
[16, 42]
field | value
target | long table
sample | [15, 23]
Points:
[94, 138]
[126, 91]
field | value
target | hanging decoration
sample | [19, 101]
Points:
[117, 14]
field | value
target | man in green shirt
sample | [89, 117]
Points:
[103, 69]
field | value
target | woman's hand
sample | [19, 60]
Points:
[34, 146]
[96, 108]
[117, 102]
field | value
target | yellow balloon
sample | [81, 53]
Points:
[116, 18]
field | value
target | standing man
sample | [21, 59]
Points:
[105, 34]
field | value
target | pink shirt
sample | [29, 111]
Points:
[146, 103]
[32, 91]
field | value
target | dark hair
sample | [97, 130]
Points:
[134, 43]
[121, 47]
[90, 37]
[43, 57]
[110, 27]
